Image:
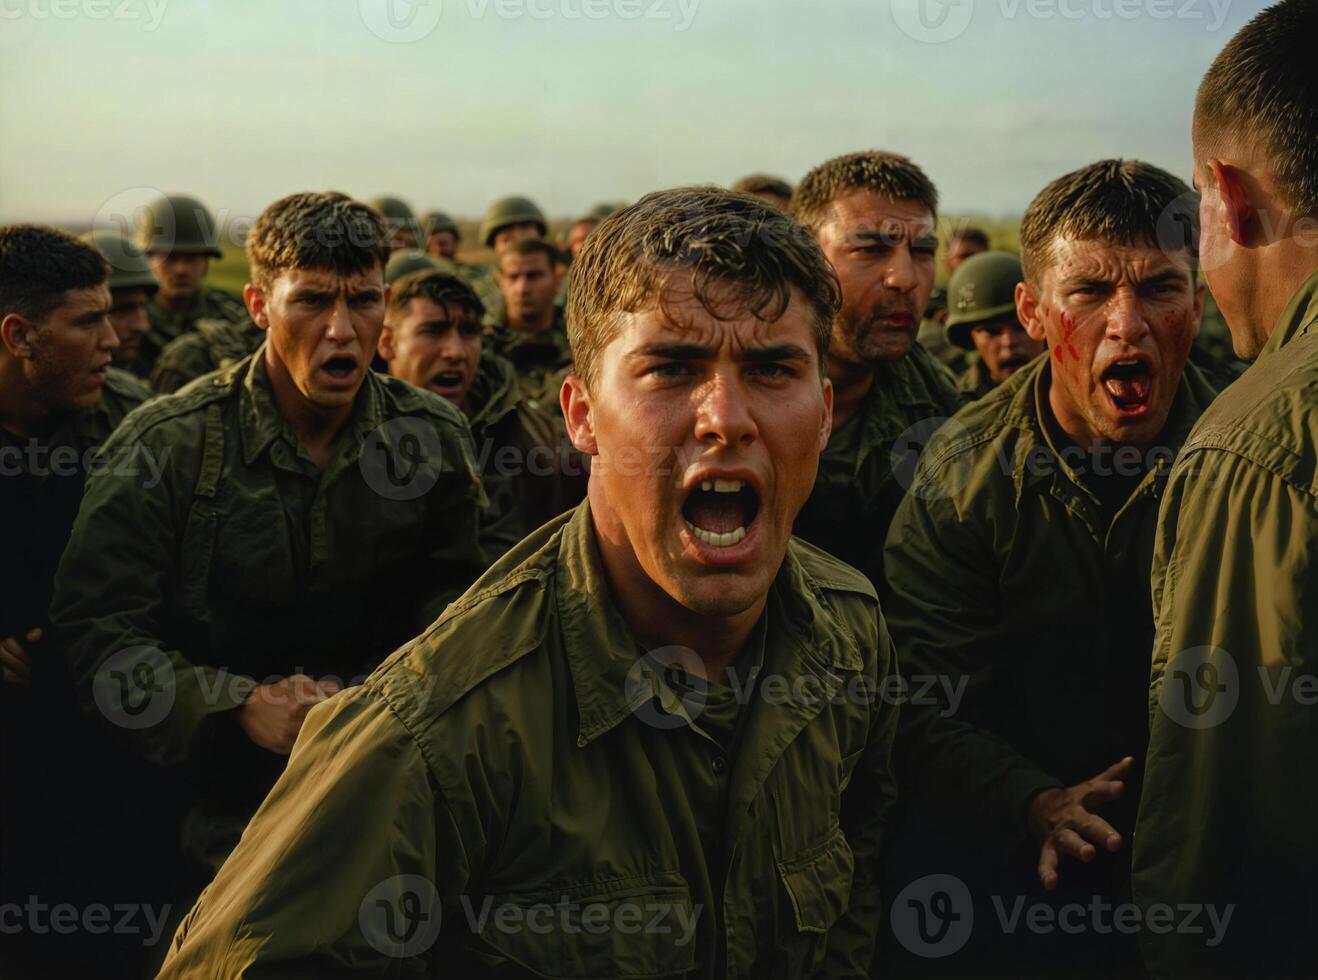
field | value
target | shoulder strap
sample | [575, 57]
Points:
[212, 454]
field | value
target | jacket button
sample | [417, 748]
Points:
[720, 765]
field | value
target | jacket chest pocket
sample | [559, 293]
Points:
[252, 559]
[643, 926]
[815, 887]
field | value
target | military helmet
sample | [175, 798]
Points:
[178, 224]
[129, 266]
[983, 288]
[409, 260]
[439, 221]
[511, 211]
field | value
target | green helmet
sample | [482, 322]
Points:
[409, 260]
[129, 267]
[178, 224]
[393, 209]
[511, 211]
[439, 221]
[983, 288]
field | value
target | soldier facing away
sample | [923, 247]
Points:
[310, 515]
[873, 214]
[526, 756]
[1019, 569]
[179, 236]
[1230, 805]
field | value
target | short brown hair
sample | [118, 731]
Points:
[889, 174]
[533, 246]
[440, 288]
[1122, 202]
[38, 265]
[722, 239]
[969, 234]
[763, 184]
[316, 231]
[1261, 91]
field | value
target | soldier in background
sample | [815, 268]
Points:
[404, 232]
[507, 221]
[774, 190]
[310, 515]
[433, 339]
[533, 333]
[132, 284]
[179, 236]
[982, 318]
[961, 245]
[442, 236]
[965, 242]
[874, 215]
[583, 226]
[60, 398]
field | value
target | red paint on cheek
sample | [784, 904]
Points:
[1068, 331]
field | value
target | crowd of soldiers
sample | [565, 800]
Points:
[703, 595]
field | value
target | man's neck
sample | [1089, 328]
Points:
[176, 302]
[20, 413]
[539, 324]
[852, 382]
[657, 620]
[1280, 276]
[315, 428]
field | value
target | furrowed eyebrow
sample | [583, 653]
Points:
[91, 316]
[784, 352]
[1162, 277]
[673, 352]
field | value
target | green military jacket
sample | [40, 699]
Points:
[212, 346]
[234, 561]
[536, 357]
[857, 489]
[1012, 587]
[974, 382]
[933, 338]
[168, 325]
[529, 470]
[1231, 802]
[514, 760]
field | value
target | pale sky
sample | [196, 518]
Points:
[452, 103]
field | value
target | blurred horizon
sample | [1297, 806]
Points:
[451, 104]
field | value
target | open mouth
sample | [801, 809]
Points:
[720, 512]
[340, 367]
[1128, 383]
[447, 380]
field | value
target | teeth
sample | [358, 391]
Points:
[715, 539]
[727, 486]
[707, 485]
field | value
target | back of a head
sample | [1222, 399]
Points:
[1120, 202]
[316, 230]
[763, 184]
[1262, 92]
[889, 175]
[39, 265]
[738, 253]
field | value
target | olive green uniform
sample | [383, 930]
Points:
[515, 753]
[168, 325]
[933, 338]
[537, 357]
[530, 471]
[974, 382]
[244, 563]
[857, 490]
[212, 346]
[1231, 803]
[1020, 581]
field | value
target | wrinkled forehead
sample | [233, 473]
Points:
[330, 280]
[1097, 260]
[84, 302]
[422, 310]
[859, 215]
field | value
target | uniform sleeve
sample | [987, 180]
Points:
[336, 874]
[866, 804]
[181, 361]
[1229, 797]
[944, 615]
[108, 614]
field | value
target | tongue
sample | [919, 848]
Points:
[1129, 391]
[718, 513]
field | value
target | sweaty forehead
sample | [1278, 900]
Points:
[683, 321]
[330, 281]
[859, 208]
[1074, 258]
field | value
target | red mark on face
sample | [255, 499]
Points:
[1068, 331]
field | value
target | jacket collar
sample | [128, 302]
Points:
[801, 637]
[1299, 317]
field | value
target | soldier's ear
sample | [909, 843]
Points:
[255, 299]
[1233, 207]
[17, 333]
[826, 423]
[575, 402]
[385, 345]
[1030, 312]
